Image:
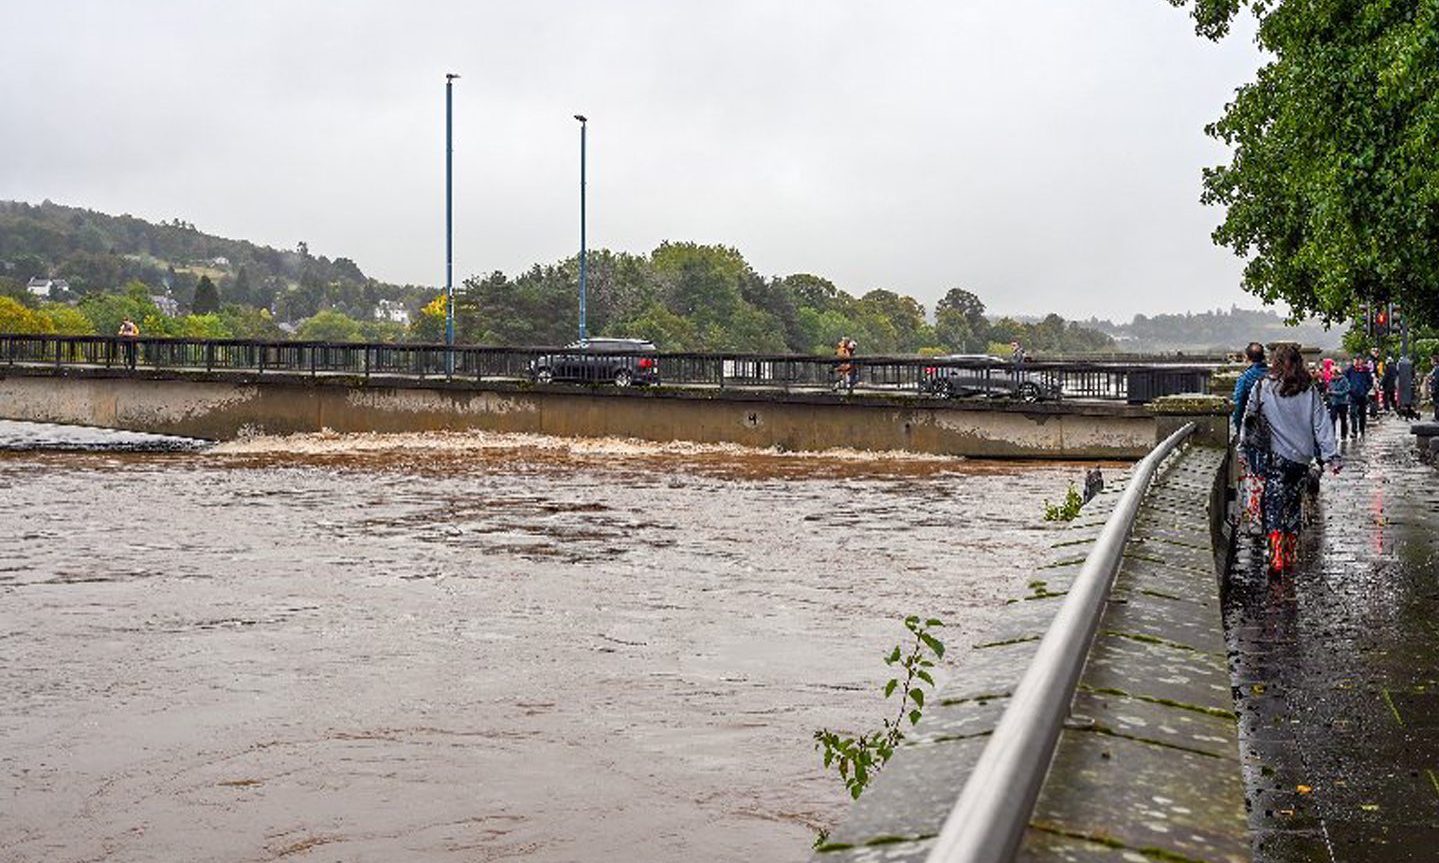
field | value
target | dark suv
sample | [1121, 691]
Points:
[618, 361]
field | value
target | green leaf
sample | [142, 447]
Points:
[934, 621]
[914, 717]
[917, 695]
[925, 676]
[933, 643]
[889, 687]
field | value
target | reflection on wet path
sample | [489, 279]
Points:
[464, 652]
[1336, 669]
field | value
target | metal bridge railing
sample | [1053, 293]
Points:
[989, 819]
[937, 377]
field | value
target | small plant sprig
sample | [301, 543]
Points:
[858, 759]
[1066, 511]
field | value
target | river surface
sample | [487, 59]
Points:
[465, 647]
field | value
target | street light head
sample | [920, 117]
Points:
[450, 76]
[581, 118]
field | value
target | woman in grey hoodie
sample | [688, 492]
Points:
[1299, 432]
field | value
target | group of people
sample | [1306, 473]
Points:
[1367, 387]
[1286, 415]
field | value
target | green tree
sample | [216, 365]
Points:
[331, 326]
[106, 311]
[1332, 192]
[22, 320]
[207, 297]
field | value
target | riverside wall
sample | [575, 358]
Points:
[223, 406]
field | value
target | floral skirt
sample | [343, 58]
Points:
[1283, 492]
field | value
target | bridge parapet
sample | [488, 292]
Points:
[1132, 382]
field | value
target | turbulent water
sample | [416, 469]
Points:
[465, 647]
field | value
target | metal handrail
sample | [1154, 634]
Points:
[949, 377]
[988, 820]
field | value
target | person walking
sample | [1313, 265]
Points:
[1361, 381]
[1404, 372]
[1286, 403]
[1388, 382]
[1432, 384]
[1251, 467]
[1337, 395]
[1376, 373]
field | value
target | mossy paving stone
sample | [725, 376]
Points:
[1048, 846]
[945, 720]
[1144, 615]
[1157, 673]
[1144, 796]
[988, 672]
[913, 795]
[1119, 715]
[894, 850]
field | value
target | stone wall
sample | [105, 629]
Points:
[225, 406]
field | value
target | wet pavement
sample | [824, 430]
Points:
[468, 647]
[1336, 668]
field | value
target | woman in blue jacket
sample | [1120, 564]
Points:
[1361, 383]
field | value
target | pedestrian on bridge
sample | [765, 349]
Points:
[1287, 414]
[1251, 480]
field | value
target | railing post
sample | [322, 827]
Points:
[312, 360]
[367, 362]
[209, 356]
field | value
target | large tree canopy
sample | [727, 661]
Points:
[1332, 193]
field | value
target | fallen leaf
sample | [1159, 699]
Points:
[1303, 789]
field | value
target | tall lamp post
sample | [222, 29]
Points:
[584, 330]
[449, 226]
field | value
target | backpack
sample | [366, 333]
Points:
[1257, 435]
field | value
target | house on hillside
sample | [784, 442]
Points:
[393, 311]
[168, 306]
[220, 261]
[46, 289]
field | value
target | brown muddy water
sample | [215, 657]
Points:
[467, 647]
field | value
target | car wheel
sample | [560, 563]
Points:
[544, 375]
[624, 377]
[1028, 392]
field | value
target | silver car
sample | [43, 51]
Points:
[965, 375]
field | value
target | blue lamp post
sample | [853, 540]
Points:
[449, 226]
[584, 330]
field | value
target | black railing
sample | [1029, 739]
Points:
[935, 377]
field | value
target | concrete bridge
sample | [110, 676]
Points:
[222, 390]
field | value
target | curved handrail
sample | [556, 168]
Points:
[989, 818]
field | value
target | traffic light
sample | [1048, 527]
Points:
[1381, 322]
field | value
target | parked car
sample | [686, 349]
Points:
[987, 375]
[621, 362]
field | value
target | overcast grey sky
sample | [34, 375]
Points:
[1045, 154]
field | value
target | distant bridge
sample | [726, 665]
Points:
[221, 389]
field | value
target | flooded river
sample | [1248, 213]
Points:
[466, 647]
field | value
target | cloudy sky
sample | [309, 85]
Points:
[1045, 154]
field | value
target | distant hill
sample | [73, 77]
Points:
[97, 253]
[1218, 330]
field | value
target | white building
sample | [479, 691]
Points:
[168, 306]
[47, 288]
[392, 311]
